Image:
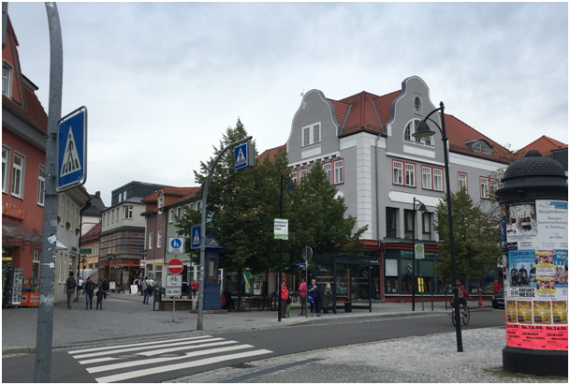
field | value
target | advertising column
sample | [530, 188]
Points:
[534, 230]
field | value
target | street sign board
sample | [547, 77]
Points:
[175, 266]
[72, 150]
[176, 244]
[307, 253]
[301, 265]
[85, 250]
[419, 251]
[281, 228]
[173, 280]
[196, 237]
[244, 156]
[142, 264]
[173, 291]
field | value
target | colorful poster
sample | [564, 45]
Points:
[542, 312]
[521, 224]
[552, 222]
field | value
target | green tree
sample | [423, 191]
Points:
[476, 237]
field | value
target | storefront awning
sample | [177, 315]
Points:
[17, 231]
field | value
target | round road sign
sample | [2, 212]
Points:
[175, 266]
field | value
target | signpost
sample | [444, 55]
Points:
[244, 156]
[419, 254]
[72, 150]
[174, 281]
[176, 245]
[281, 228]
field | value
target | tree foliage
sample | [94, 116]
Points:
[476, 237]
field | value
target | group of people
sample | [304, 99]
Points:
[523, 277]
[146, 285]
[88, 291]
[310, 294]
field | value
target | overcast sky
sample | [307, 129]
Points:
[163, 81]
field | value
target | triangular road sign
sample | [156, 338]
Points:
[71, 161]
[196, 239]
[240, 158]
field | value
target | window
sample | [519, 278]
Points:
[191, 205]
[462, 181]
[5, 156]
[302, 173]
[339, 172]
[488, 187]
[40, 198]
[120, 198]
[437, 179]
[493, 186]
[124, 195]
[480, 146]
[67, 210]
[160, 202]
[128, 212]
[397, 177]
[417, 104]
[159, 239]
[6, 79]
[113, 216]
[410, 129]
[410, 174]
[426, 177]
[78, 224]
[198, 206]
[294, 176]
[72, 216]
[18, 167]
[426, 226]
[179, 212]
[311, 134]
[108, 217]
[150, 240]
[61, 209]
[171, 215]
[327, 170]
[391, 222]
[408, 224]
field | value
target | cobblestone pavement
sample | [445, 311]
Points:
[432, 358]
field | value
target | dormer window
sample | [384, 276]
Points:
[411, 127]
[480, 146]
[417, 104]
[6, 79]
[311, 134]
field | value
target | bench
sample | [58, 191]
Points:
[340, 303]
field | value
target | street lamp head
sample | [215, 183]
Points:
[423, 131]
[422, 209]
[291, 186]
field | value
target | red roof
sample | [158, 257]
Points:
[94, 233]
[272, 153]
[171, 191]
[543, 144]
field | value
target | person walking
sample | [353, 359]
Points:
[303, 296]
[105, 288]
[70, 289]
[194, 288]
[144, 287]
[314, 298]
[284, 297]
[88, 292]
[100, 294]
[80, 284]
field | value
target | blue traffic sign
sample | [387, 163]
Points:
[72, 150]
[176, 243]
[301, 265]
[241, 156]
[196, 237]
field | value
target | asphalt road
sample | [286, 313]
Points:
[172, 358]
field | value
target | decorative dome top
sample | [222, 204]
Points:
[534, 164]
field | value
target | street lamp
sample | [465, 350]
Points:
[109, 257]
[418, 206]
[423, 131]
[290, 187]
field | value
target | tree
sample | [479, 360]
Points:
[476, 236]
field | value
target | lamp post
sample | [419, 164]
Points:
[290, 187]
[109, 258]
[424, 131]
[418, 206]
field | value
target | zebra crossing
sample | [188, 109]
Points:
[129, 361]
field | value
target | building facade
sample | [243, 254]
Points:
[365, 145]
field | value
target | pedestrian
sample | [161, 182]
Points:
[462, 294]
[70, 289]
[148, 287]
[228, 288]
[194, 287]
[105, 288]
[314, 298]
[80, 284]
[88, 292]
[496, 287]
[100, 294]
[283, 297]
[303, 296]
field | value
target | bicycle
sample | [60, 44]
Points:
[270, 301]
[465, 314]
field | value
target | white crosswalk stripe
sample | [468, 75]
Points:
[161, 356]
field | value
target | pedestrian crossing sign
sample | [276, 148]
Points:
[72, 150]
[244, 156]
[196, 237]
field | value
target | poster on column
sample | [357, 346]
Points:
[535, 242]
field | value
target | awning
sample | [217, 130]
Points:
[17, 231]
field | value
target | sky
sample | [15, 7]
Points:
[163, 81]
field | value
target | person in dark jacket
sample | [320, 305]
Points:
[88, 292]
[100, 294]
[70, 285]
[105, 288]
[314, 298]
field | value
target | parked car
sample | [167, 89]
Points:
[499, 299]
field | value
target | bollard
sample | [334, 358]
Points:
[480, 299]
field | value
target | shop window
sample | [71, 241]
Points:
[391, 222]
[426, 226]
[5, 157]
[408, 224]
[41, 186]
[18, 167]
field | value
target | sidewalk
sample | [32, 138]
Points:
[124, 316]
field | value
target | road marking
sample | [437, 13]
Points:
[149, 361]
[168, 344]
[184, 365]
[168, 350]
[139, 344]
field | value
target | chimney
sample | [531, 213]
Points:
[98, 194]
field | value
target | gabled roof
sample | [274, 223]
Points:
[171, 191]
[94, 233]
[543, 144]
[363, 112]
[272, 152]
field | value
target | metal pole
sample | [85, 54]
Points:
[200, 323]
[450, 219]
[44, 336]
[280, 251]
[414, 255]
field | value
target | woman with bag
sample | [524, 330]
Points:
[314, 298]
[284, 297]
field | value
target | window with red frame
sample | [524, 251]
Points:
[488, 186]
[294, 176]
[462, 181]
[327, 168]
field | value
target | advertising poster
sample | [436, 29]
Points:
[521, 224]
[536, 272]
